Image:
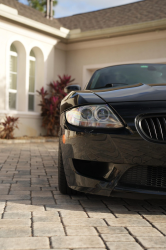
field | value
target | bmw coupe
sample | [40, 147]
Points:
[113, 133]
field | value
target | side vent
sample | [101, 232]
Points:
[152, 127]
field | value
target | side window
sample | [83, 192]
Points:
[32, 77]
[13, 78]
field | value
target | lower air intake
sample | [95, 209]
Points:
[145, 177]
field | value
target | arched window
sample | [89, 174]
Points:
[32, 79]
[13, 78]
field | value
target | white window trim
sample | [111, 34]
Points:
[31, 58]
[12, 53]
[12, 90]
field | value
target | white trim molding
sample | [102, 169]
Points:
[113, 41]
[20, 114]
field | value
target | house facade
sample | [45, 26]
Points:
[35, 50]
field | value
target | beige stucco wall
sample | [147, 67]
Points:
[24, 40]
[83, 58]
[60, 62]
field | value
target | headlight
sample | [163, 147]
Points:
[100, 116]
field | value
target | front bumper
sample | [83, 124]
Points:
[118, 152]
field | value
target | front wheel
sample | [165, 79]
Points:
[62, 183]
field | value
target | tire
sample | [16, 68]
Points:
[62, 182]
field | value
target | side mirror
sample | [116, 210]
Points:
[70, 88]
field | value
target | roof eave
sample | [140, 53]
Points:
[156, 25]
[27, 22]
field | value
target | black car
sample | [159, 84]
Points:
[113, 133]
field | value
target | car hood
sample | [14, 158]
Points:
[134, 93]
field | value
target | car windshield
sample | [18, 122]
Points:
[123, 75]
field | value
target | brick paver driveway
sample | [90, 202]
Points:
[34, 215]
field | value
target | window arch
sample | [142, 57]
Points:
[13, 77]
[32, 80]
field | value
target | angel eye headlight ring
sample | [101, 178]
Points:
[87, 113]
[101, 114]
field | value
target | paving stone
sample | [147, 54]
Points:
[78, 197]
[64, 208]
[57, 192]
[101, 215]
[22, 207]
[48, 229]
[120, 237]
[19, 231]
[74, 214]
[18, 202]
[24, 243]
[49, 248]
[17, 215]
[17, 188]
[97, 210]
[63, 197]
[46, 219]
[90, 222]
[116, 208]
[148, 242]
[114, 202]
[49, 188]
[67, 202]
[144, 231]
[136, 208]
[153, 208]
[160, 226]
[152, 213]
[4, 191]
[19, 192]
[156, 218]
[56, 224]
[77, 242]
[76, 230]
[123, 246]
[112, 230]
[4, 186]
[155, 248]
[41, 194]
[86, 203]
[128, 214]
[2, 204]
[42, 201]
[127, 222]
[14, 222]
[46, 213]
[89, 248]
